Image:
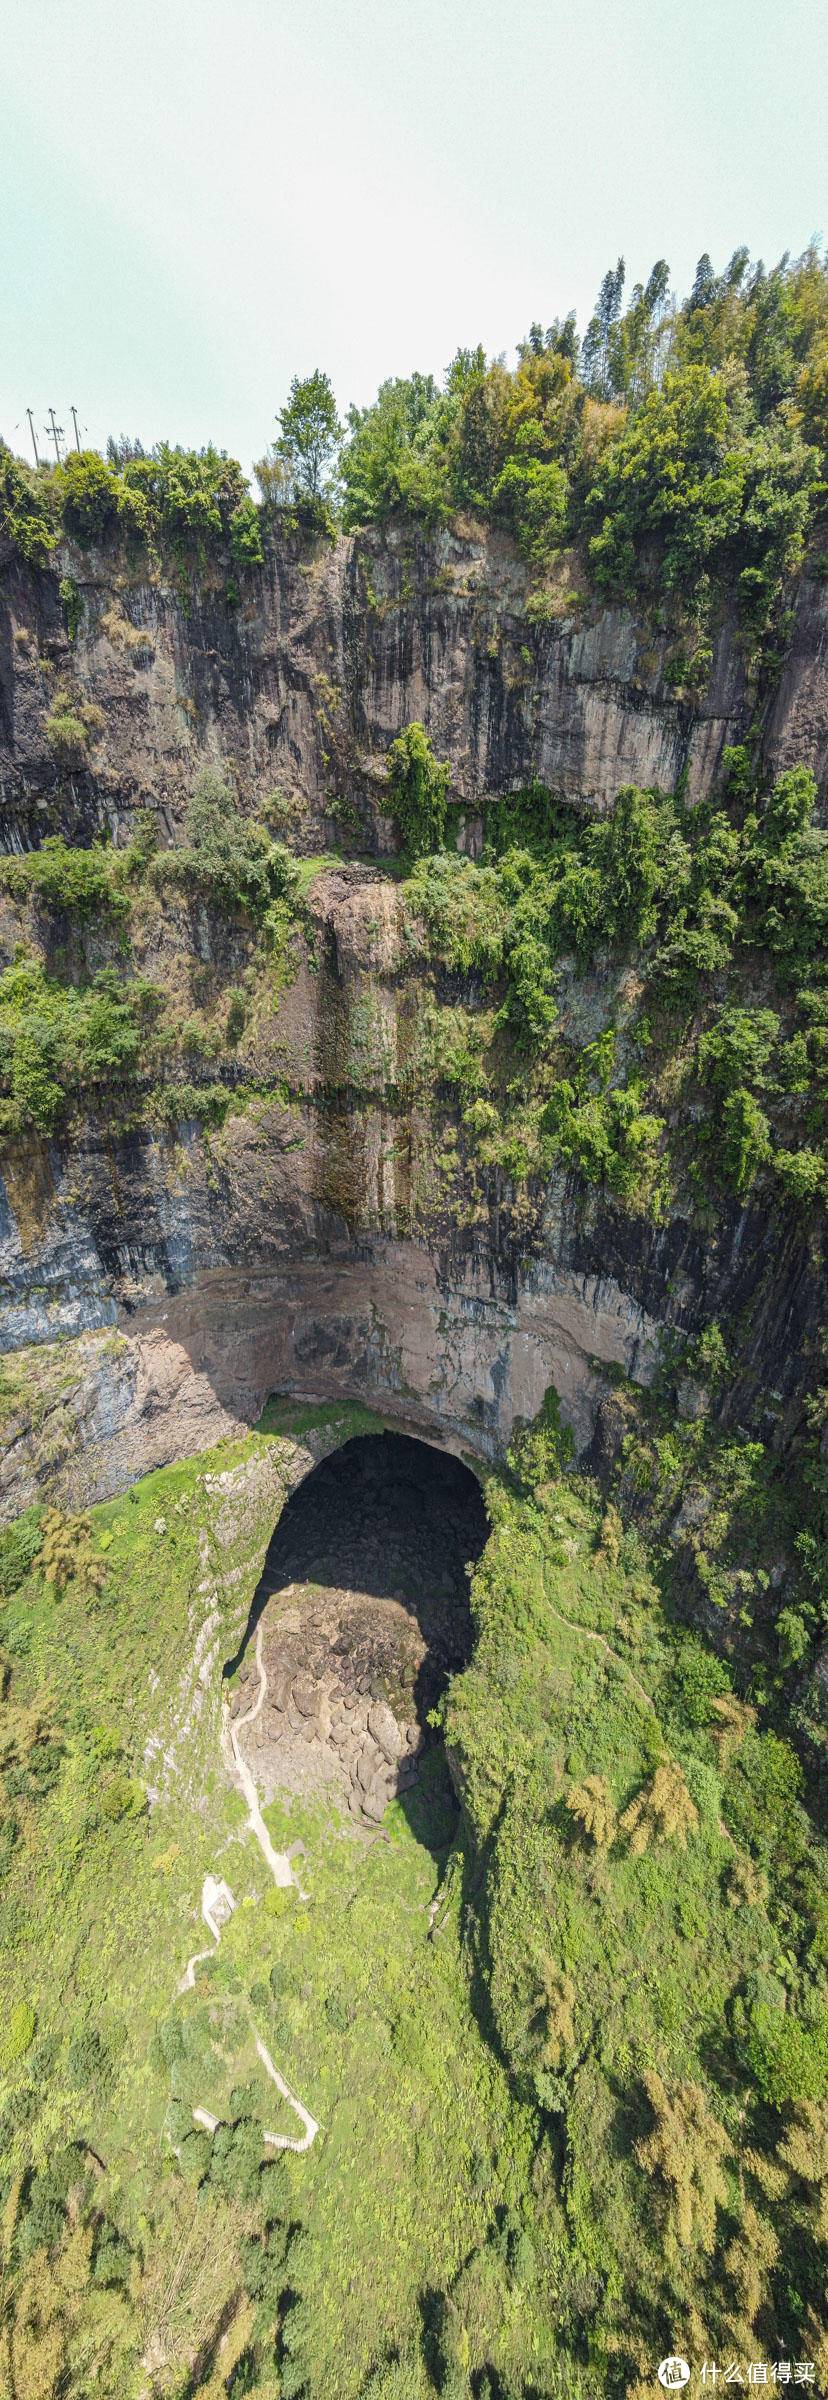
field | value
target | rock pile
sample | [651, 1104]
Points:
[341, 1675]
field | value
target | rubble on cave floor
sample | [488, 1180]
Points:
[362, 1614]
[348, 1679]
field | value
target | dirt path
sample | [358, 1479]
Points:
[278, 1863]
[277, 1860]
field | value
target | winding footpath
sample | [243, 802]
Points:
[278, 1863]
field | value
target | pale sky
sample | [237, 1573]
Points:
[201, 198]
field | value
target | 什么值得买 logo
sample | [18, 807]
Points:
[674, 2373]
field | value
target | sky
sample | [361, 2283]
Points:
[200, 199]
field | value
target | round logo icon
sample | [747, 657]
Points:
[673, 2373]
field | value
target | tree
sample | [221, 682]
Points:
[684, 2153]
[67, 1555]
[664, 1808]
[310, 436]
[395, 455]
[595, 357]
[590, 1803]
[419, 784]
[556, 2014]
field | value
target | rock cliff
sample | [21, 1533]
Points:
[300, 678]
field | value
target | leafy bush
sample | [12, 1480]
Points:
[67, 1556]
[245, 535]
[532, 495]
[69, 727]
[83, 881]
[26, 518]
[18, 2035]
[786, 2057]
[227, 854]
[19, 1547]
[123, 1798]
[58, 1040]
[418, 789]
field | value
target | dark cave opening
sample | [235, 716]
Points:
[360, 1617]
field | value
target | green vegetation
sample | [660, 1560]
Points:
[680, 448]
[70, 726]
[582, 2100]
[300, 469]
[191, 505]
[71, 1036]
[418, 787]
[714, 912]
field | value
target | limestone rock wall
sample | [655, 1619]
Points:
[301, 681]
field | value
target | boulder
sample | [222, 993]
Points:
[383, 1725]
[305, 1695]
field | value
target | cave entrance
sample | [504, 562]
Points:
[361, 1615]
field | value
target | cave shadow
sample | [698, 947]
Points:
[390, 1518]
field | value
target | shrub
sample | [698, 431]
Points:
[539, 1452]
[789, 807]
[88, 492]
[245, 535]
[123, 1797]
[18, 2035]
[19, 1547]
[63, 877]
[785, 2057]
[67, 1555]
[25, 515]
[57, 1040]
[71, 604]
[226, 852]
[418, 788]
[746, 1140]
[532, 496]
[67, 733]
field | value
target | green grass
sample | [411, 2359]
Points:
[366, 2016]
[471, 2200]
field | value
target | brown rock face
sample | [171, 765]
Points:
[330, 650]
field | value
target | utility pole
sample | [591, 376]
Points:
[75, 423]
[56, 434]
[32, 432]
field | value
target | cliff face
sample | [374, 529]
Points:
[320, 1244]
[313, 1245]
[302, 679]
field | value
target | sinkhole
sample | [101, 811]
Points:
[361, 1615]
